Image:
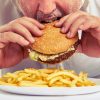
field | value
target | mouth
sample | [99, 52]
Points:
[49, 20]
[45, 18]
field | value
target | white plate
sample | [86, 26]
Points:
[53, 90]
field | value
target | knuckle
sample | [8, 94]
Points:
[25, 31]
[18, 20]
[19, 38]
[66, 23]
[35, 28]
[81, 12]
[64, 18]
[85, 17]
[6, 36]
[14, 26]
[72, 30]
[1, 36]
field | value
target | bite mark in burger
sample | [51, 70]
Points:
[53, 46]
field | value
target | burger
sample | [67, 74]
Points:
[53, 46]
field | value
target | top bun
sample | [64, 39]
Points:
[53, 41]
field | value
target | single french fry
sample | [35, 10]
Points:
[62, 73]
[28, 83]
[53, 80]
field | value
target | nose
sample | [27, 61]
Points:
[47, 6]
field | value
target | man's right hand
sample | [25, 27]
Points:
[14, 37]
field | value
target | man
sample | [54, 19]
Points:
[16, 34]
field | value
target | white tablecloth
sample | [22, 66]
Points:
[8, 96]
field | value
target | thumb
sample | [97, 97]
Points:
[7, 37]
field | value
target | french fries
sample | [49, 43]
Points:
[46, 78]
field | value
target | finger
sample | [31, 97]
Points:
[2, 45]
[75, 27]
[14, 38]
[4, 28]
[87, 25]
[61, 21]
[20, 29]
[70, 20]
[41, 26]
[31, 27]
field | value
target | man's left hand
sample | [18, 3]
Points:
[79, 20]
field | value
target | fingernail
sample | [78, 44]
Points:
[63, 30]
[40, 32]
[57, 24]
[69, 34]
[26, 43]
[81, 26]
[32, 40]
[42, 26]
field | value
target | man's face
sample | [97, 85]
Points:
[47, 10]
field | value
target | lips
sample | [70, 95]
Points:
[48, 17]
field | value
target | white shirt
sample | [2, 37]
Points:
[78, 62]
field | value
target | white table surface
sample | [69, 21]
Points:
[8, 96]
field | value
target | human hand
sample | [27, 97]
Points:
[90, 25]
[71, 23]
[14, 37]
